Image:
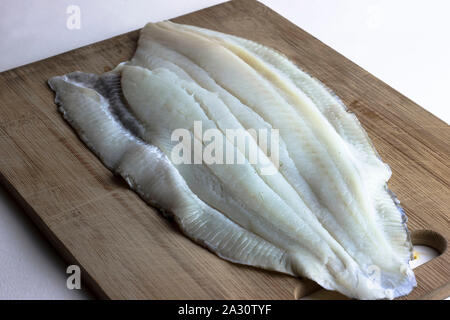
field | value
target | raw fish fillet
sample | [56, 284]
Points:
[324, 213]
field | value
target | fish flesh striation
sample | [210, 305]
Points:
[325, 213]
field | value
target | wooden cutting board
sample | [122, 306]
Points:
[127, 249]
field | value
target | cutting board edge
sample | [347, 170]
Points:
[86, 279]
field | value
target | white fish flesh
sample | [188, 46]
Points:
[325, 214]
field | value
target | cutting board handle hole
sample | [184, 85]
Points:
[428, 245]
[430, 239]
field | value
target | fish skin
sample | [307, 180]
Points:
[305, 226]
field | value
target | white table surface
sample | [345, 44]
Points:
[404, 43]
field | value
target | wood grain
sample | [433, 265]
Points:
[127, 249]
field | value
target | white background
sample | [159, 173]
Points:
[403, 42]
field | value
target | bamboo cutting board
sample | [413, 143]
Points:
[127, 249]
